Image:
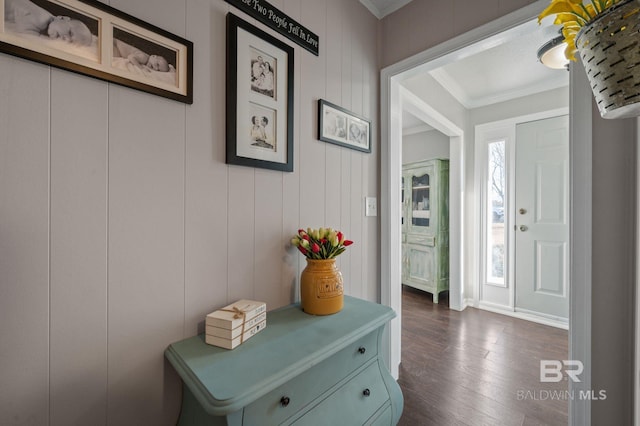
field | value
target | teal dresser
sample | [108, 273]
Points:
[301, 370]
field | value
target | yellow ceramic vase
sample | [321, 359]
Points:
[321, 290]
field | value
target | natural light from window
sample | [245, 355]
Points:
[496, 201]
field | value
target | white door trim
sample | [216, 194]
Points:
[581, 154]
[581, 184]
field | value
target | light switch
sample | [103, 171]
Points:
[370, 206]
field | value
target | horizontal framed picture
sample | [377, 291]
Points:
[94, 39]
[259, 98]
[341, 127]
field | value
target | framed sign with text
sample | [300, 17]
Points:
[269, 15]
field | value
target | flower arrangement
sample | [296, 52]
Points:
[321, 243]
[573, 15]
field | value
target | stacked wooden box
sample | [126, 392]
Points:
[234, 324]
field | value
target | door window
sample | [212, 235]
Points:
[494, 217]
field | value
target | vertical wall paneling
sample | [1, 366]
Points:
[24, 242]
[362, 108]
[206, 184]
[294, 261]
[269, 238]
[333, 54]
[312, 152]
[357, 217]
[357, 160]
[146, 251]
[78, 249]
[241, 233]
[146, 239]
[121, 225]
[167, 14]
[371, 237]
[333, 50]
[357, 59]
[333, 187]
[345, 217]
[345, 154]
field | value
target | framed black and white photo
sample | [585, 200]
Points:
[259, 98]
[91, 38]
[341, 127]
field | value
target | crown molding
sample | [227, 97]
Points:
[381, 12]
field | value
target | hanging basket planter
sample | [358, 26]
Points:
[610, 50]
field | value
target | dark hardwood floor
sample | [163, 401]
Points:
[476, 367]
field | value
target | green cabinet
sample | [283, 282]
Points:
[425, 226]
[301, 370]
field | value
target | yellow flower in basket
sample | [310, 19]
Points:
[573, 15]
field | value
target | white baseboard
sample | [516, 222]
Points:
[525, 315]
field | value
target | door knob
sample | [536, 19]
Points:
[523, 228]
[523, 211]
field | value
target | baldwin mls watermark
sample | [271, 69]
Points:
[551, 370]
[555, 371]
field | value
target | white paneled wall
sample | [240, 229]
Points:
[121, 226]
[78, 239]
[24, 242]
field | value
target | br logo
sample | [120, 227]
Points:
[552, 370]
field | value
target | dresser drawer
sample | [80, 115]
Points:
[352, 404]
[293, 396]
[384, 417]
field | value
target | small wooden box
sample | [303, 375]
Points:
[232, 343]
[229, 318]
[228, 333]
[232, 325]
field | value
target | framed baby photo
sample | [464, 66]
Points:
[341, 127]
[94, 39]
[259, 98]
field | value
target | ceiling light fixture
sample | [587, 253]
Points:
[551, 54]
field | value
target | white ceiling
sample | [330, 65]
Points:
[412, 124]
[506, 71]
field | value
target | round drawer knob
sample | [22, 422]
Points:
[284, 401]
[366, 392]
[362, 349]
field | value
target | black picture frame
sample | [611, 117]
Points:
[339, 126]
[259, 98]
[91, 38]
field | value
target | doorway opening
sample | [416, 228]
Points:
[424, 236]
[393, 78]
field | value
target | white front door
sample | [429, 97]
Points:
[542, 217]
